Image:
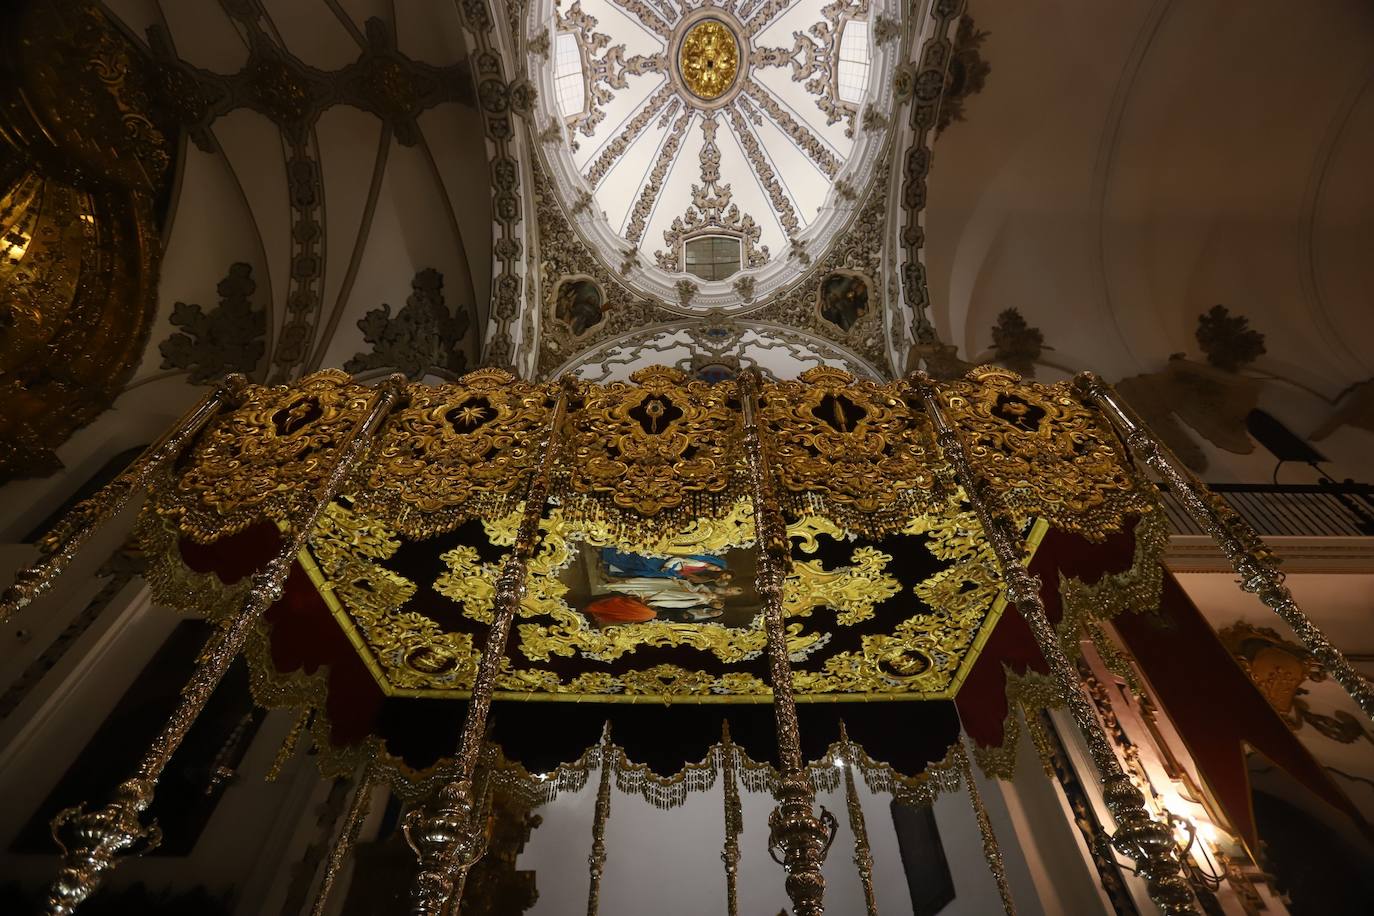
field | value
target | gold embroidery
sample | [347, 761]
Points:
[653, 466]
[662, 443]
[851, 451]
[1043, 452]
[455, 451]
[264, 458]
[920, 653]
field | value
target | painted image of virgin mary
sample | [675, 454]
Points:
[684, 589]
[695, 567]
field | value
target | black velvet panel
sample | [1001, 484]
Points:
[542, 735]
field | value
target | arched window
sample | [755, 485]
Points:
[713, 257]
[568, 82]
[851, 75]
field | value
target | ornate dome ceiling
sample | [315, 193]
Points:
[712, 141]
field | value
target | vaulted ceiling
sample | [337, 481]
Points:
[1128, 166]
[732, 120]
[420, 187]
[1142, 163]
[713, 180]
[335, 156]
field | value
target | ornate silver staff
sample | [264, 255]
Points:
[992, 852]
[348, 835]
[1237, 538]
[863, 852]
[596, 861]
[450, 838]
[61, 543]
[1149, 843]
[734, 821]
[99, 838]
[803, 838]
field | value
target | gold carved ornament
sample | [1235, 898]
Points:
[79, 247]
[455, 451]
[709, 59]
[651, 455]
[1044, 453]
[1280, 670]
[852, 451]
[262, 459]
[78, 282]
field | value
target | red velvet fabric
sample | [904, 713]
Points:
[1218, 710]
[1214, 705]
[982, 699]
[304, 635]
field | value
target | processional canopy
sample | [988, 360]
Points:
[642, 586]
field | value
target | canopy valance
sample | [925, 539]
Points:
[665, 555]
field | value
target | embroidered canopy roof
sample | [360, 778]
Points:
[641, 589]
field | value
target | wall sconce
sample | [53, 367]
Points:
[1208, 872]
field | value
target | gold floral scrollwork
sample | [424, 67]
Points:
[1043, 452]
[886, 664]
[262, 459]
[852, 591]
[853, 451]
[659, 443]
[913, 653]
[925, 652]
[469, 582]
[454, 451]
[408, 651]
[341, 531]
[472, 583]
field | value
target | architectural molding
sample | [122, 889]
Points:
[230, 337]
[1316, 555]
[649, 278]
[715, 341]
[423, 337]
[928, 86]
[292, 94]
